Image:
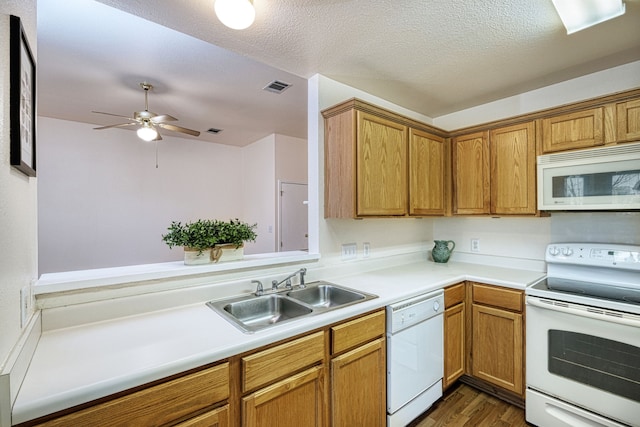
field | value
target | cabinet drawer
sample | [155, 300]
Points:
[510, 299]
[355, 332]
[453, 295]
[157, 405]
[274, 363]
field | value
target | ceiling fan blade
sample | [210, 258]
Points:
[157, 138]
[116, 126]
[163, 118]
[179, 129]
[115, 115]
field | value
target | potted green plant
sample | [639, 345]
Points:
[198, 238]
[230, 238]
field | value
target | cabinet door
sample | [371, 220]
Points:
[216, 418]
[293, 402]
[381, 166]
[471, 174]
[572, 131]
[513, 169]
[629, 121]
[358, 387]
[454, 336]
[497, 347]
[428, 173]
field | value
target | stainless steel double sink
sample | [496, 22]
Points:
[252, 313]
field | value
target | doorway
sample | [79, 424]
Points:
[293, 226]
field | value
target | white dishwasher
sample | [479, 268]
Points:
[414, 356]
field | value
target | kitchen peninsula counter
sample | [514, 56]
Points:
[77, 364]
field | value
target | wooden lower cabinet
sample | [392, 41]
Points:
[498, 337]
[454, 348]
[292, 402]
[358, 387]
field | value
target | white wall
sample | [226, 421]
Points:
[258, 191]
[100, 190]
[386, 236]
[18, 212]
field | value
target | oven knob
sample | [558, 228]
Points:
[554, 251]
[567, 251]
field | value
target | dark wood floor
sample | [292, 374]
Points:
[466, 406]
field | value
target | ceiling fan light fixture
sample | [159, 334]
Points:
[577, 15]
[235, 14]
[147, 133]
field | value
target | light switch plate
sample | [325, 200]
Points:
[349, 251]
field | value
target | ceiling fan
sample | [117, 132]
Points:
[148, 121]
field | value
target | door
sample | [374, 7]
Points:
[381, 166]
[294, 221]
[358, 387]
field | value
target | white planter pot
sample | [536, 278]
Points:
[228, 252]
[196, 257]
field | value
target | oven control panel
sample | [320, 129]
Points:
[594, 254]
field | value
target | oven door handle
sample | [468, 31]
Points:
[591, 313]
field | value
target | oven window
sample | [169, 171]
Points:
[597, 184]
[597, 362]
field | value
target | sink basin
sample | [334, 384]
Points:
[252, 313]
[326, 295]
[256, 313]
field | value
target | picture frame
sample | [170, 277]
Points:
[22, 100]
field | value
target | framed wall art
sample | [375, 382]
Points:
[22, 100]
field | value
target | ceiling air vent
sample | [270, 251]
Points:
[277, 86]
[214, 130]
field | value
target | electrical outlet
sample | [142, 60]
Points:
[475, 245]
[366, 250]
[349, 251]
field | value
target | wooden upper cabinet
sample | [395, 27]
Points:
[429, 174]
[571, 131]
[513, 169]
[381, 166]
[628, 125]
[370, 156]
[471, 174]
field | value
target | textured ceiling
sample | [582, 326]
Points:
[431, 56]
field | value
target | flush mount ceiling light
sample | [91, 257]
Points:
[236, 14]
[577, 15]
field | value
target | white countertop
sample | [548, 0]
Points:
[78, 364]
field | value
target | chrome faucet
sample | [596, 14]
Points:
[259, 289]
[287, 280]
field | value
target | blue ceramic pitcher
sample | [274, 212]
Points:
[441, 251]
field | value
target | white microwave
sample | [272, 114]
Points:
[603, 178]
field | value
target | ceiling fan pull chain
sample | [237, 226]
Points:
[156, 154]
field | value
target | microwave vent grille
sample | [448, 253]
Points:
[592, 153]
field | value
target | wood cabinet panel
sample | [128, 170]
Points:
[572, 131]
[454, 295]
[353, 333]
[156, 405]
[381, 166]
[454, 343]
[513, 169]
[628, 121]
[498, 347]
[471, 174]
[277, 362]
[510, 299]
[428, 174]
[340, 165]
[293, 402]
[358, 387]
[216, 418]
